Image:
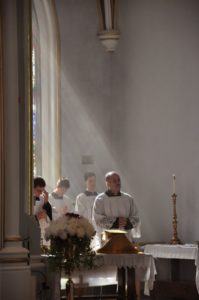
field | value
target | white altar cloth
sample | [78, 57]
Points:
[143, 264]
[186, 251]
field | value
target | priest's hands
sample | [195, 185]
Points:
[122, 222]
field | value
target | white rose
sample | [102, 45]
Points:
[80, 232]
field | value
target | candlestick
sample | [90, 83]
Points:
[175, 240]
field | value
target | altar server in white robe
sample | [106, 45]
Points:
[115, 209]
[61, 204]
[85, 200]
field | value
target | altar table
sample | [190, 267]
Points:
[129, 266]
[176, 253]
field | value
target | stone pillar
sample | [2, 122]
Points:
[15, 275]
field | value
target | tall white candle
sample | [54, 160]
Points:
[174, 184]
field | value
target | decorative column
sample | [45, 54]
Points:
[15, 273]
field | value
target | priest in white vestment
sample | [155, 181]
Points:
[115, 209]
[61, 204]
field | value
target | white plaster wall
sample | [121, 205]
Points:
[155, 80]
[85, 94]
[135, 110]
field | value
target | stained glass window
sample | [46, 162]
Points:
[36, 88]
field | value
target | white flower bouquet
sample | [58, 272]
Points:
[70, 237]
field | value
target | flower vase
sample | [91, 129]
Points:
[70, 289]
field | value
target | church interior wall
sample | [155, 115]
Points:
[85, 95]
[155, 73]
[135, 110]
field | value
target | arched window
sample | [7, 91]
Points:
[36, 92]
[46, 92]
